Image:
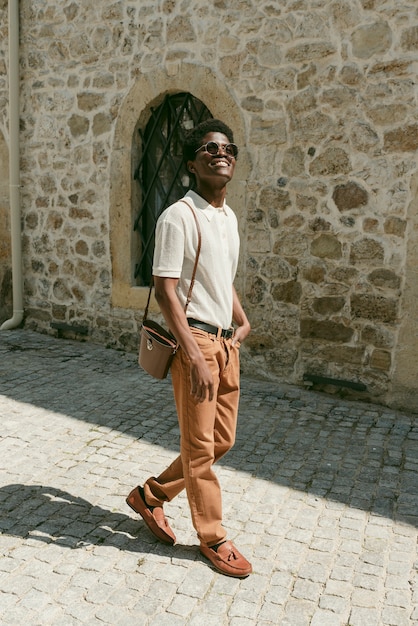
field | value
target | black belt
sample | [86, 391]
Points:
[227, 333]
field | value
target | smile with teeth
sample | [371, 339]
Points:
[222, 162]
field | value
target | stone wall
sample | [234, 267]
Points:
[326, 99]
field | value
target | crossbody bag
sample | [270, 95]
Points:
[157, 346]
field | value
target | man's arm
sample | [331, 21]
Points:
[200, 375]
[239, 317]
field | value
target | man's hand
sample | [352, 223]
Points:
[241, 333]
[239, 317]
[201, 380]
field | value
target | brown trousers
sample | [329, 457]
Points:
[207, 432]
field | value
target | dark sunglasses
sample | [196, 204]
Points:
[213, 148]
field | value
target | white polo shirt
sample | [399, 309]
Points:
[175, 252]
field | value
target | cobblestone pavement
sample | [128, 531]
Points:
[321, 494]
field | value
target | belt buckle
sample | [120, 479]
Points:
[226, 333]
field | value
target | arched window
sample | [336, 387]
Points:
[160, 176]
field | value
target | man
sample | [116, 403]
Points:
[205, 369]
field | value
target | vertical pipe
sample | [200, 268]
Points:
[14, 168]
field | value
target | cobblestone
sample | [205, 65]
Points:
[320, 493]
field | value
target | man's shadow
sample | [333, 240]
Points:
[53, 516]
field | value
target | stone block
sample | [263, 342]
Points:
[86, 272]
[367, 250]
[370, 224]
[292, 244]
[290, 291]
[55, 220]
[78, 125]
[395, 226]
[314, 273]
[61, 291]
[258, 242]
[364, 137]
[252, 103]
[313, 128]
[319, 224]
[394, 67]
[384, 278]
[340, 96]
[328, 305]
[378, 336]
[403, 139]
[302, 102]
[259, 342]
[306, 203]
[326, 330]
[268, 131]
[256, 290]
[82, 248]
[326, 247]
[271, 197]
[388, 114]
[331, 161]
[345, 355]
[409, 39]
[381, 359]
[371, 39]
[351, 74]
[345, 274]
[306, 76]
[303, 51]
[79, 213]
[293, 161]
[276, 268]
[350, 196]
[228, 64]
[294, 221]
[371, 307]
[102, 123]
[89, 101]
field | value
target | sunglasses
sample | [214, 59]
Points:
[213, 148]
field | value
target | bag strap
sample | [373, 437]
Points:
[199, 245]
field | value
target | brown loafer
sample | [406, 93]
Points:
[228, 560]
[153, 516]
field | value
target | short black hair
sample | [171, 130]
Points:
[194, 137]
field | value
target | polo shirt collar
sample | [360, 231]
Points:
[200, 203]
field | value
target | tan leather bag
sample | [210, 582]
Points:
[157, 346]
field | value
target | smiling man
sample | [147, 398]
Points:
[205, 369]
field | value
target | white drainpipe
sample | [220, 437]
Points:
[14, 168]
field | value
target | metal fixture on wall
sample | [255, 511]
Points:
[14, 168]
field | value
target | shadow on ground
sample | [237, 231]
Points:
[53, 516]
[358, 454]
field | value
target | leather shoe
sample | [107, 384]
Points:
[227, 560]
[153, 516]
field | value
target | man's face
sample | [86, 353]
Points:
[213, 169]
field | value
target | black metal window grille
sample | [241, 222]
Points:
[160, 173]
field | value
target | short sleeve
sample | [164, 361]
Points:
[169, 248]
